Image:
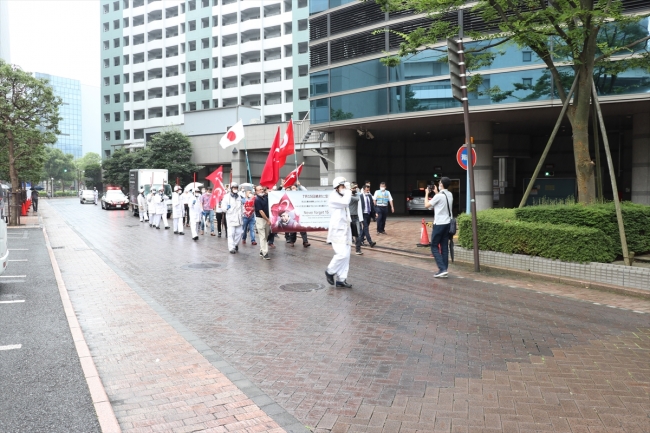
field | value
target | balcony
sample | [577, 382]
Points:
[250, 14]
[171, 91]
[138, 115]
[251, 100]
[138, 58]
[155, 93]
[229, 40]
[272, 10]
[171, 12]
[138, 96]
[250, 79]
[171, 110]
[138, 21]
[170, 32]
[155, 112]
[171, 71]
[154, 16]
[138, 39]
[273, 76]
[138, 77]
[276, 118]
[250, 57]
[154, 74]
[171, 51]
[229, 19]
[250, 35]
[273, 98]
[272, 54]
[228, 61]
[272, 32]
[229, 82]
[154, 35]
[229, 102]
[156, 54]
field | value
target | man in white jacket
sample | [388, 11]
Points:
[154, 218]
[339, 233]
[142, 206]
[196, 211]
[232, 206]
[177, 211]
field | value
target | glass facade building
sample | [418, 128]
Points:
[69, 141]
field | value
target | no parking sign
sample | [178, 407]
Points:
[461, 157]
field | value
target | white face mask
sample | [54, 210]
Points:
[234, 191]
[383, 188]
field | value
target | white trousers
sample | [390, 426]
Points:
[194, 228]
[156, 220]
[145, 214]
[178, 224]
[164, 219]
[141, 215]
[340, 264]
[234, 236]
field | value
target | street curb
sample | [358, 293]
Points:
[638, 293]
[103, 409]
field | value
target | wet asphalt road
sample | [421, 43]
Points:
[42, 386]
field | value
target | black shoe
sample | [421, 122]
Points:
[266, 257]
[181, 233]
[330, 277]
[196, 238]
[358, 253]
[158, 228]
[261, 254]
[167, 228]
[175, 232]
[372, 244]
[343, 283]
[219, 234]
[232, 251]
[236, 247]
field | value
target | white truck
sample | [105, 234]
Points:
[147, 177]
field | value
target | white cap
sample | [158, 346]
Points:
[234, 185]
[338, 181]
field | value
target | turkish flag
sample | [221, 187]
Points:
[233, 136]
[293, 176]
[271, 172]
[287, 146]
[218, 190]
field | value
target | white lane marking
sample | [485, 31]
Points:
[21, 260]
[11, 347]
[11, 302]
[13, 276]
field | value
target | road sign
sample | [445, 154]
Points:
[461, 157]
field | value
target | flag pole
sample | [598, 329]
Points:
[248, 167]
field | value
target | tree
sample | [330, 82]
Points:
[93, 176]
[88, 159]
[59, 166]
[173, 150]
[29, 119]
[117, 167]
[584, 33]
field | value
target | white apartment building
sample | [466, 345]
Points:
[161, 58]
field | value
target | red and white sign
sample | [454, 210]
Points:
[461, 157]
[234, 135]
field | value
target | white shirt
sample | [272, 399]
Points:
[439, 203]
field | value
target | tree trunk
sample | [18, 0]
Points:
[15, 185]
[579, 118]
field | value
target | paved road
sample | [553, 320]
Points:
[42, 386]
[400, 351]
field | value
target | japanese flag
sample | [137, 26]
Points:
[234, 135]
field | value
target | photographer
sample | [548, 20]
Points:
[441, 201]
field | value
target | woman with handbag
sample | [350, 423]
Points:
[443, 224]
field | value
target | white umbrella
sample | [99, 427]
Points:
[193, 185]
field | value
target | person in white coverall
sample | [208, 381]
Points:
[177, 211]
[163, 207]
[95, 195]
[196, 211]
[231, 205]
[339, 233]
[151, 206]
[142, 206]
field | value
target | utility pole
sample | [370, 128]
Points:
[458, 76]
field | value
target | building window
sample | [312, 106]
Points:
[116, 79]
[215, 41]
[125, 40]
[125, 22]
[138, 3]
[127, 134]
[205, 43]
[205, 3]
[107, 118]
[116, 116]
[127, 116]
[192, 85]
[107, 137]
[182, 68]
[192, 65]
[205, 23]
[116, 24]
[116, 61]
[125, 4]
[182, 8]
[205, 64]
[107, 45]
[106, 9]
[191, 25]
[118, 135]
[527, 82]
[192, 45]
[182, 27]
[205, 84]
[183, 88]
[192, 106]
[215, 103]
[106, 27]
[127, 78]
[183, 48]
[215, 21]
[127, 97]
[191, 5]
[138, 134]
[215, 62]
[107, 81]
[303, 47]
[527, 56]
[116, 43]
[116, 98]
[205, 104]
[107, 99]
[302, 25]
[126, 59]
[302, 3]
[116, 6]
[107, 63]
[215, 83]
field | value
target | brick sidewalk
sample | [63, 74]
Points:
[155, 379]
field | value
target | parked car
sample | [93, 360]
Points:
[415, 201]
[4, 251]
[86, 196]
[114, 199]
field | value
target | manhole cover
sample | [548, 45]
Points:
[301, 287]
[201, 266]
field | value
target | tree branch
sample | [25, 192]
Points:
[630, 45]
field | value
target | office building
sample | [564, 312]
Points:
[70, 111]
[401, 124]
[163, 58]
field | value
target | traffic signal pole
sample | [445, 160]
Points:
[458, 77]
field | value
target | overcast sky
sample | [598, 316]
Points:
[58, 37]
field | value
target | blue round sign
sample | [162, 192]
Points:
[461, 157]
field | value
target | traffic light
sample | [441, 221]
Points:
[437, 176]
[456, 74]
[549, 174]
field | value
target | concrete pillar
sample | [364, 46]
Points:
[641, 158]
[482, 133]
[239, 173]
[345, 154]
[310, 176]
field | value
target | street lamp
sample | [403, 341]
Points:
[52, 186]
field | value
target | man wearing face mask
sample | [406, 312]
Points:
[151, 206]
[231, 205]
[196, 212]
[367, 212]
[355, 211]
[161, 207]
[262, 221]
[383, 199]
[339, 233]
[177, 211]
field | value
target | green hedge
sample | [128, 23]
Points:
[636, 218]
[64, 194]
[499, 230]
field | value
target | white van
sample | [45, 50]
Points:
[4, 251]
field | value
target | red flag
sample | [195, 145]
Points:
[218, 191]
[287, 146]
[271, 172]
[293, 176]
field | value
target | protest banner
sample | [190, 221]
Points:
[299, 211]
